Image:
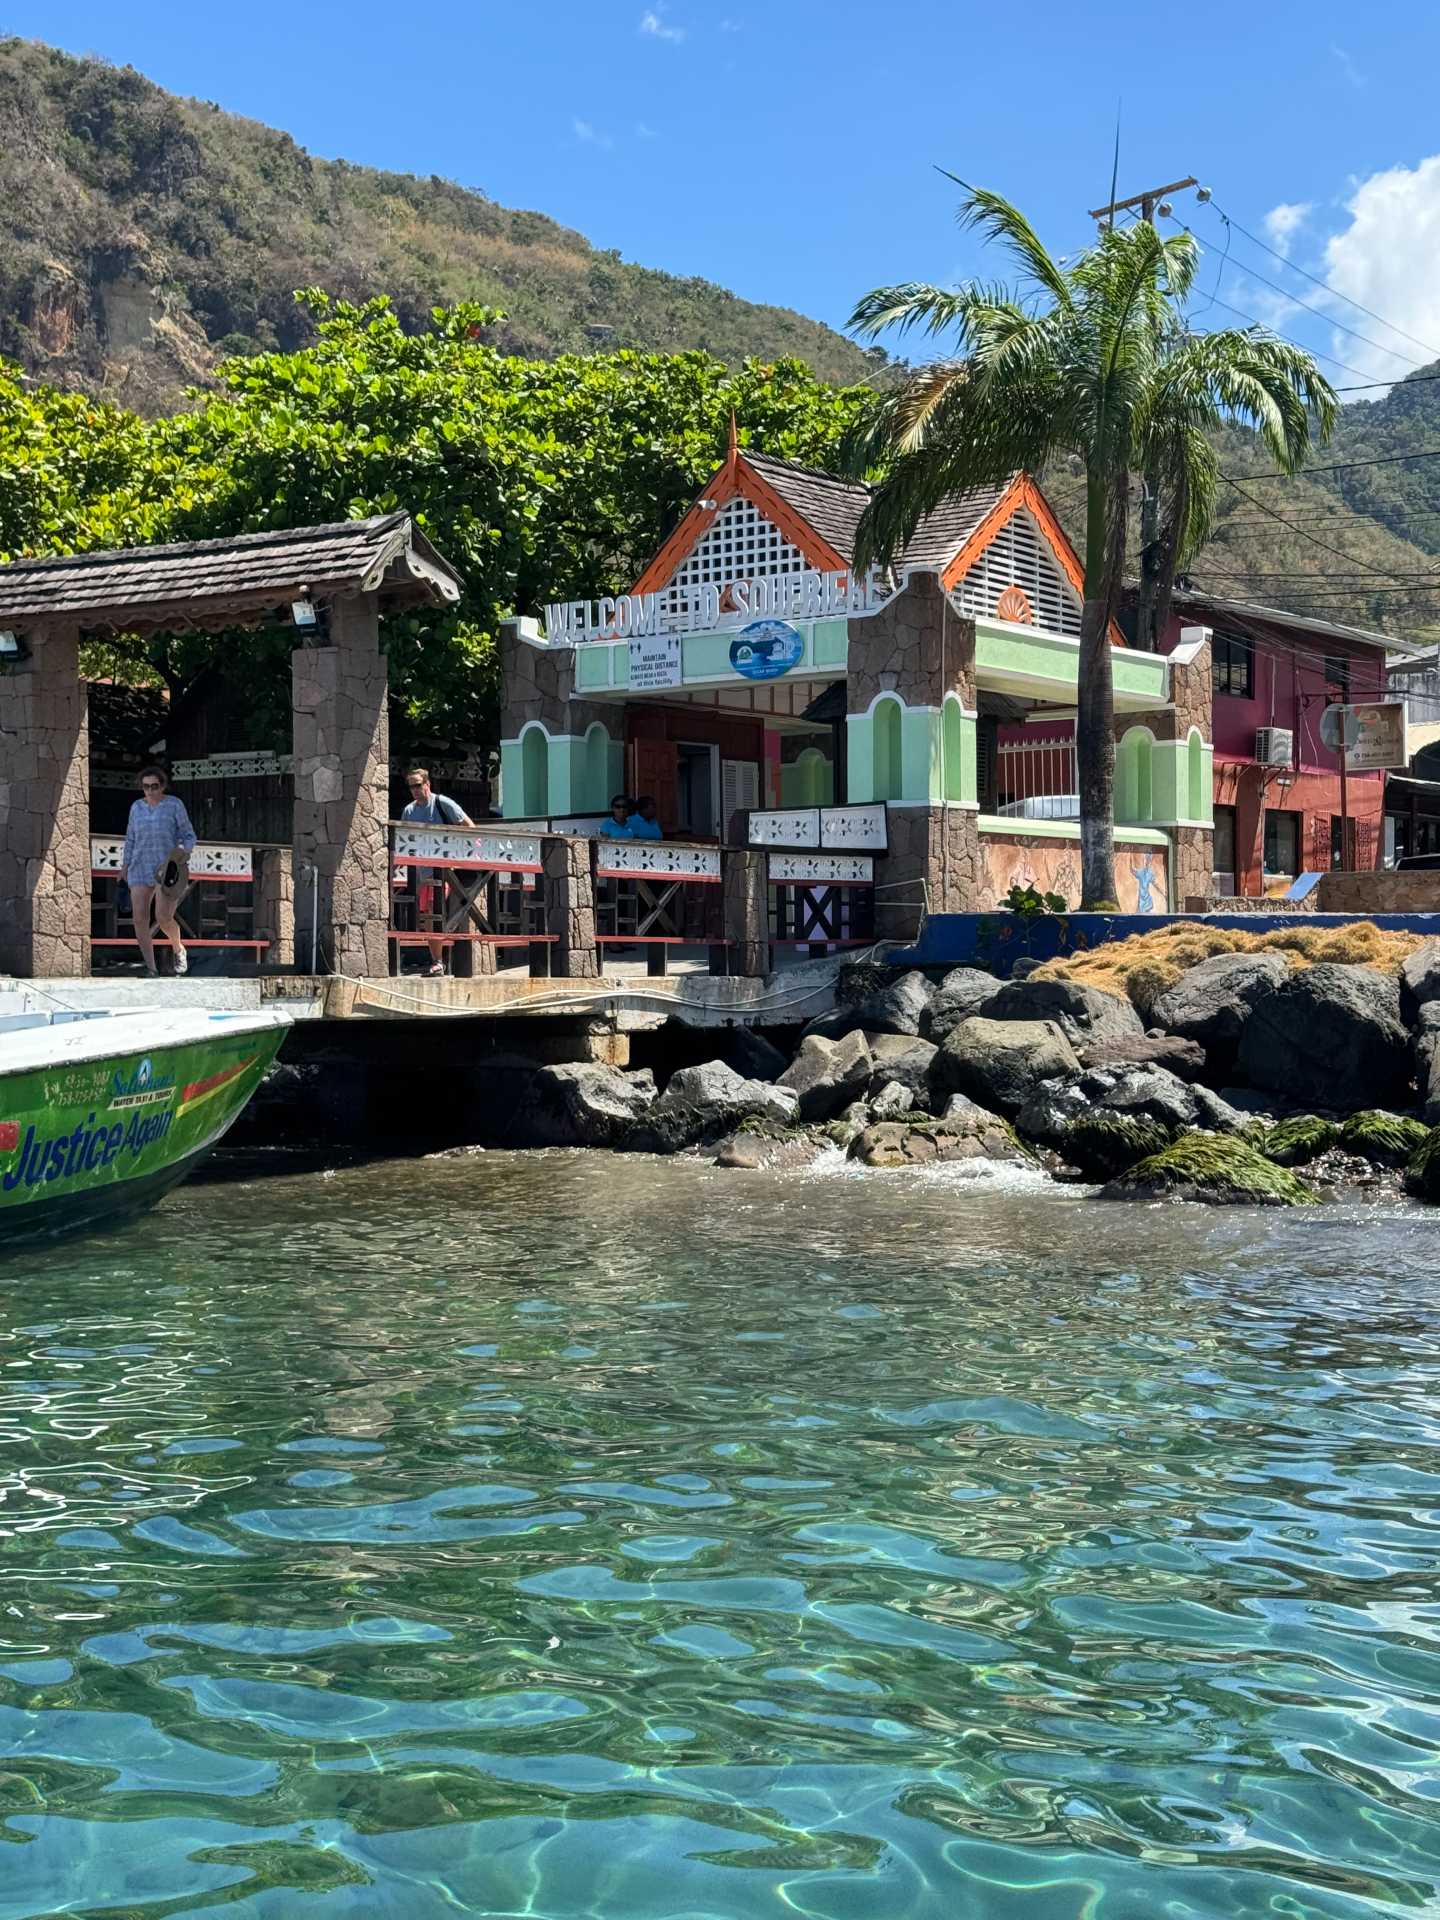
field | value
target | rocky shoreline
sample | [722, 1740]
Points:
[1250, 1081]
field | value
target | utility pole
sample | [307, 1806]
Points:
[1150, 201]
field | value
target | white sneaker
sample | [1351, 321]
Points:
[182, 962]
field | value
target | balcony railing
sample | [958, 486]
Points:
[466, 887]
[217, 913]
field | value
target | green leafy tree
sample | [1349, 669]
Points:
[1090, 360]
[62, 455]
[537, 479]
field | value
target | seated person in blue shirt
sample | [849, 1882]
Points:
[618, 826]
[644, 821]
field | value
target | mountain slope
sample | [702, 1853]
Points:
[142, 236]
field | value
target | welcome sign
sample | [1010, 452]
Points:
[713, 608]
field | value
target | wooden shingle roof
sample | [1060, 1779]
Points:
[220, 583]
[833, 507]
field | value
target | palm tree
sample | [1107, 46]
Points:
[1091, 359]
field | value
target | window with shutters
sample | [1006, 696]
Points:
[740, 545]
[739, 787]
[1020, 556]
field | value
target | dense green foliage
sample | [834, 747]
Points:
[536, 479]
[143, 236]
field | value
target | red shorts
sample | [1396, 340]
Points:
[430, 897]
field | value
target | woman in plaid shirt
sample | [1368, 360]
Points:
[158, 826]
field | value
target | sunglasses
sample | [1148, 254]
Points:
[414, 785]
[150, 786]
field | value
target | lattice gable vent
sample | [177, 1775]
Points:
[1021, 556]
[740, 544]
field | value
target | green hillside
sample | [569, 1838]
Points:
[143, 236]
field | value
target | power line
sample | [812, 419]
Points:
[1296, 301]
[1315, 280]
[1314, 539]
[1343, 466]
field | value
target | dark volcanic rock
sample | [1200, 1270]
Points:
[1211, 1003]
[752, 1056]
[1000, 1063]
[915, 1143]
[826, 1075]
[701, 1103]
[1420, 980]
[1083, 1014]
[963, 991]
[582, 1105]
[1184, 1058]
[1149, 1093]
[1427, 1060]
[896, 1007]
[1331, 1035]
[901, 1061]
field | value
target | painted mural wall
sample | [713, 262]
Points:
[1142, 879]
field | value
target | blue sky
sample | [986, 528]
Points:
[788, 150]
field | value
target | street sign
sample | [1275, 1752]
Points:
[1374, 734]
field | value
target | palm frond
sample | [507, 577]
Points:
[998, 219]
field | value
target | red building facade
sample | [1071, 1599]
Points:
[1279, 813]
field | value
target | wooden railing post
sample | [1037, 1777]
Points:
[569, 885]
[745, 891]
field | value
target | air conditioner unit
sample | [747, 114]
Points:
[1274, 746]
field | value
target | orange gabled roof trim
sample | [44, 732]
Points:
[1023, 492]
[737, 477]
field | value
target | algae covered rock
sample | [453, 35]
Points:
[1101, 1145]
[1218, 1170]
[1386, 1139]
[1294, 1143]
[1422, 1175]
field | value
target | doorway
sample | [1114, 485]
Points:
[697, 776]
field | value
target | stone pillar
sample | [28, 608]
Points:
[45, 809]
[342, 786]
[933, 862]
[569, 884]
[745, 892]
[1190, 879]
[275, 905]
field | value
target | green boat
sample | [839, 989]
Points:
[101, 1114]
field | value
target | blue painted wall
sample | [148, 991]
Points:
[996, 940]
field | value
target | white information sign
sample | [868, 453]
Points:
[654, 661]
[1376, 735]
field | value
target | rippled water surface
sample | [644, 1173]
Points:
[566, 1536]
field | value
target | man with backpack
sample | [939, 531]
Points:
[429, 809]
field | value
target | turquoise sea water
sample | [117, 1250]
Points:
[573, 1536]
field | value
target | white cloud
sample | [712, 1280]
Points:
[1282, 223]
[1388, 258]
[732, 26]
[654, 23]
[591, 135]
[1346, 62]
[644, 132]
